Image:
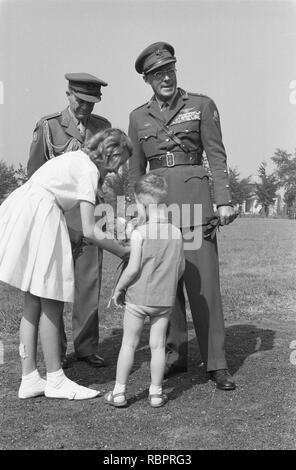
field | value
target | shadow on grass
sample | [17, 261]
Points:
[242, 340]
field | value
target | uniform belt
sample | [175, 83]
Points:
[171, 159]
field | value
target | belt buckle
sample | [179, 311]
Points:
[170, 159]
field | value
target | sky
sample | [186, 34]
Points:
[240, 53]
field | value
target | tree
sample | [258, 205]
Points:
[8, 180]
[286, 173]
[21, 175]
[241, 189]
[267, 188]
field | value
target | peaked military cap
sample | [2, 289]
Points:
[154, 56]
[85, 86]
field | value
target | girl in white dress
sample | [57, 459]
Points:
[36, 257]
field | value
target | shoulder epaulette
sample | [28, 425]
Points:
[96, 116]
[198, 94]
[51, 116]
[46, 118]
[141, 106]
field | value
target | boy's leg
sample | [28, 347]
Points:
[157, 342]
[132, 328]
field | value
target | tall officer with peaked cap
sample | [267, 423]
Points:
[169, 134]
[54, 135]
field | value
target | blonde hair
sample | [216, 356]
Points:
[106, 148]
[151, 189]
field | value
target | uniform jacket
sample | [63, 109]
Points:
[57, 133]
[194, 119]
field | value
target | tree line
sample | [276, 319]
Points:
[11, 178]
[265, 190]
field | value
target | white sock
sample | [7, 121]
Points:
[31, 376]
[32, 379]
[155, 390]
[56, 379]
[31, 385]
[119, 388]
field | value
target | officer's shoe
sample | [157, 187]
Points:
[174, 369]
[223, 379]
[93, 360]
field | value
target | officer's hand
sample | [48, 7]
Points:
[227, 214]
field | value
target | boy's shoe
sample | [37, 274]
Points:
[109, 399]
[163, 400]
[26, 391]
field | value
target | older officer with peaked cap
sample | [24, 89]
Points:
[169, 134]
[54, 135]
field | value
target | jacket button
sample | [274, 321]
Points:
[227, 186]
[187, 130]
[167, 140]
[225, 171]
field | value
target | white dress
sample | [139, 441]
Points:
[35, 248]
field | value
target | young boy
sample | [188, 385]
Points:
[148, 287]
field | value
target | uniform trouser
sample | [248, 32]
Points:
[85, 317]
[201, 279]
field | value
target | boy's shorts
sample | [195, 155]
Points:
[143, 311]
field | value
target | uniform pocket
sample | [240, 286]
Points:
[146, 134]
[196, 172]
[148, 140]
[187, 127]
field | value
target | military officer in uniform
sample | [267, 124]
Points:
[54, 135]
[169, 135]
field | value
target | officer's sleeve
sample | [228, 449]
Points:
[37, 155]
[211, 138]
[137, 163]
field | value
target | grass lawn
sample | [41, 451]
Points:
[258, 279]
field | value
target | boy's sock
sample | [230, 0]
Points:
[155, 390]
[119, 388]
[59, 386]
[32, 385]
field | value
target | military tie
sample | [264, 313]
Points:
[165, 110]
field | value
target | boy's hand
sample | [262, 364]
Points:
[119, 298]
